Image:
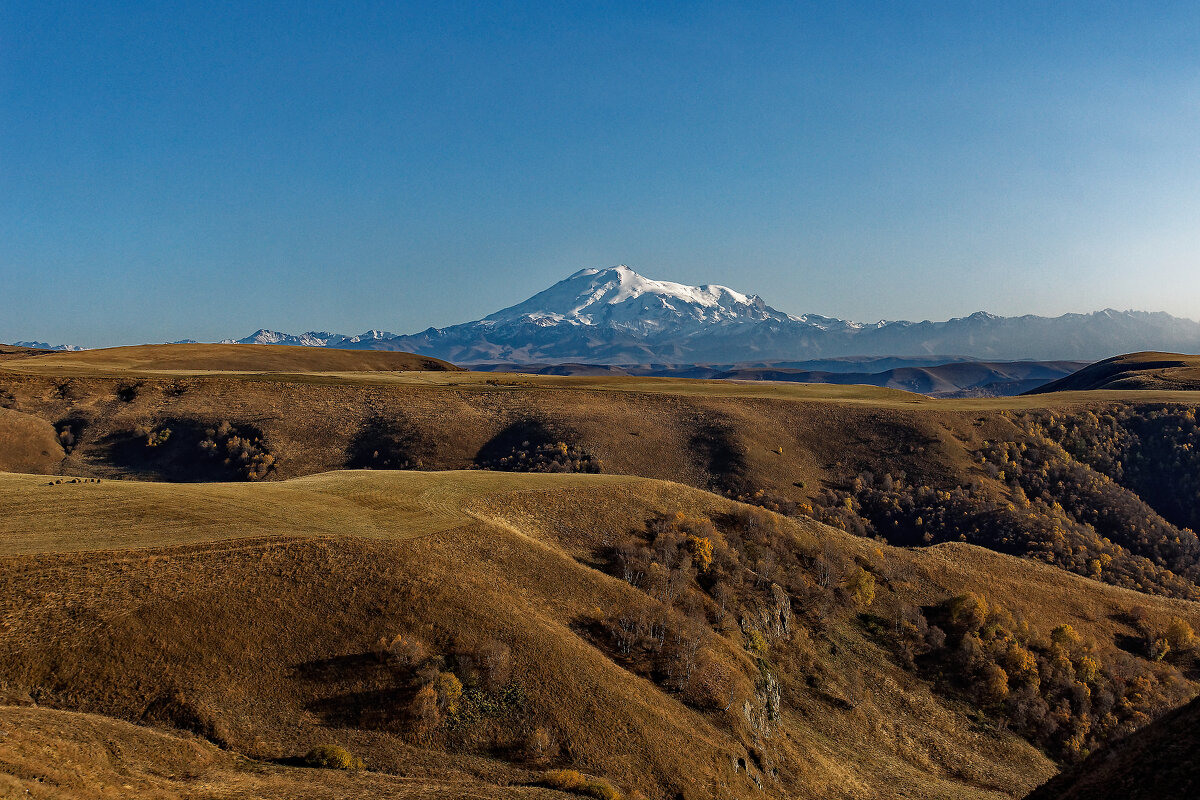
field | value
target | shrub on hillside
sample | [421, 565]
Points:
[70, 430]
[540, 745]
[569, 780]
[861, 588]
[157, 437]
[449, 691]
[1175, 640]
[1180, 635]
[768, 500]
[330, 756]
[400, 650]
[461, 697]
[389, 442]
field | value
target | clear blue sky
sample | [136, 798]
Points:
[172, 170]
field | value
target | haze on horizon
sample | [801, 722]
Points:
[199, 172]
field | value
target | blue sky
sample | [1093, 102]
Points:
[203, 169]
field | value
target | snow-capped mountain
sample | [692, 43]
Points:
[74, 348]
[311, 338]
[619, 298]
[616, 316]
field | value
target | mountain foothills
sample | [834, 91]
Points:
[1134, 371]
[616, 316]
[255, 571]
[933, 377]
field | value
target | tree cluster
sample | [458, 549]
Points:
[1151, 450]
[1057, 691]
[544, 457]
[1102, 529]
[1052, 509]
[243, 452]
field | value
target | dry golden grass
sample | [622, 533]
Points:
[47, 754]
[8, 351]
[41, 516]
[1165, 372]
[27, 443]
[1138, 371]
[257, 601]
[195, 358]
[644, 426]
[660, 429]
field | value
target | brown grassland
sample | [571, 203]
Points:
[228, 595]
[1173, 371]
[252, 624]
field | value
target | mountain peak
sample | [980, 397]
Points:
[618, 297]
[618, 270]
[616, 315]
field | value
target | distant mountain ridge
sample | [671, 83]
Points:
[44, 346]
[312, 339]
[616, 316]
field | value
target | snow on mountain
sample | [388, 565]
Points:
[311, 338]
[73, 348]
[616, 316]
[371, 336]
[620, 298]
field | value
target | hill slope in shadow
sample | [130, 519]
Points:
[1161, 371]
[1158, 761]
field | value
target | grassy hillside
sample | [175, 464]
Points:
[467, 629]
[1157, 371]
[9, 352]
[49, 754]
[191, 358]
[29, 443]
[913, 470]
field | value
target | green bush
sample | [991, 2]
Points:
[330, 756]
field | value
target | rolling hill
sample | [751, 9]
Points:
[183, 358]
[594, 578]
[266, 618]
[1161, 371]
[880, 462]
[955, 379]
